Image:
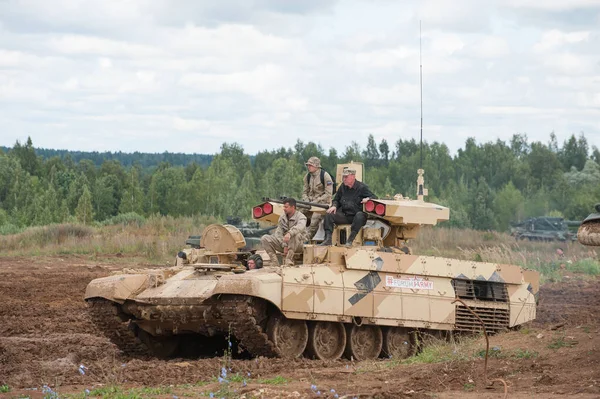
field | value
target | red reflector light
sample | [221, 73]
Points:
[369, 206]
[257, 212]
[380, 209]
[267, 208]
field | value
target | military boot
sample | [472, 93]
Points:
[273, 261]
[327, 240]
[350, 239]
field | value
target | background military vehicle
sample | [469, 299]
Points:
[589, 231]
[544, 228]
[364, 302]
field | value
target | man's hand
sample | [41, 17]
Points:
[331, 209]
[364, 200]
[285, 250]
[287, 237]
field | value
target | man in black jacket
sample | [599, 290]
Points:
[346, 207]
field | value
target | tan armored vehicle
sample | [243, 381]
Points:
[364, 301]
[589, 231]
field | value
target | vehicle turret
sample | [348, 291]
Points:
[589, 231]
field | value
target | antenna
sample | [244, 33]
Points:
[421, 85]
[421, 190]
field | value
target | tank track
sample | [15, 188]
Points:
[106, 316]
[242, 316]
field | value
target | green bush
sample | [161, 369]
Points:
[126, 219]
[586, 266]
[8, 229]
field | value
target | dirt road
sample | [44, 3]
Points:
[46, 335]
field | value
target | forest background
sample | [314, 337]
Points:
[486, 185]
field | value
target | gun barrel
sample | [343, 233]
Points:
[280, 201]
[315, 204]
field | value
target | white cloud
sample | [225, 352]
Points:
[552, 5]
[88, 45]
[190, 124]
[142, 75]
[556, 38]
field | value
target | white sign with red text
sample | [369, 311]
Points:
[414, 283]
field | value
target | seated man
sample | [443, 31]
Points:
[346, 207]
[289, 235]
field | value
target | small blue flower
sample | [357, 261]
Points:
[211, 395]
[332, 390]
[248, 374]
[336, 396]
[221, 380]
[318, 392]
[313, 387]
[496, 348]
[175, 397]
[223, 372]
[82, 369]
[244, 383]
[87, 391]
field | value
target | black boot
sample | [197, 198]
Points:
[327, 240]
[350, 239]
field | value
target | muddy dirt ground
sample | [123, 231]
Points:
[45, 335]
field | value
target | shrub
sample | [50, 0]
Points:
[125, 219]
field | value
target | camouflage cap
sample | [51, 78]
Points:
[314, 161]
[347, 172]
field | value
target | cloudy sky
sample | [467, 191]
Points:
[188, 75]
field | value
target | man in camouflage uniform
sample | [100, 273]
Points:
[289, 235]
[317, 191]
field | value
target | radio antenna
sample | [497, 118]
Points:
[421, 190]
[421, 85]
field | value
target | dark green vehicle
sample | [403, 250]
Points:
[544, 228]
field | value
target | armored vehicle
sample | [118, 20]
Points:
[543, 228]
[589, 231]
[362, 302]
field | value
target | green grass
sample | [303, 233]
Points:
[585, 266]
[4, 388]
[560, 342]
[278, 380]
[236, 378]
[525, 354]
[493, 352]
[116, 392]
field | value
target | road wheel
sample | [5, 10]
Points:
[326, 340]
[161, 347]
[363, 342]
[397, 343]
[289, 336]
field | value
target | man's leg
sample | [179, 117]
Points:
[331, 219]
[315, 220]
[295, 245]
[359, 220]
[328, 227]
[270, 244]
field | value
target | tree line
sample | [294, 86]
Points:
[486, 185]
